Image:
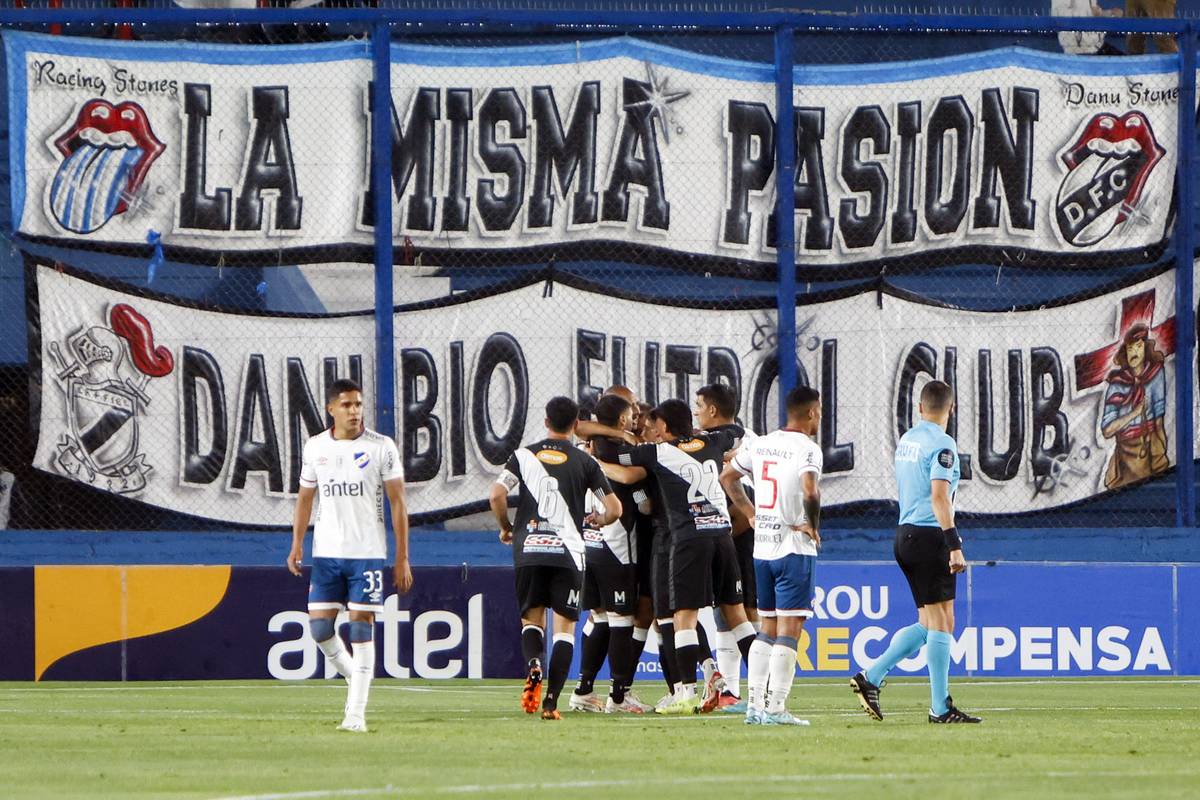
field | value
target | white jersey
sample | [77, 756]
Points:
[775, 463]
[348, 475]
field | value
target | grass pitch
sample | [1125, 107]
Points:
[1042, 739]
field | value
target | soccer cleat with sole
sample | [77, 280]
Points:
[531, 695]
[551, 714]
[353, 725]
[728, 699]
[589, 702]
[680, 706]
[626, 706]
[664, 701]
[868, 695]
[631, 697]
[782, 718]
[952, 715]
[754, 716]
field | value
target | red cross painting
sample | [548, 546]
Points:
[1135, 399]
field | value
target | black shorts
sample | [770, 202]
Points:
[661, 589]
[744, 545]
[691, 585]
[608, 584]
[924, 557]
[727, 575]
[545, 586]
[645, 556]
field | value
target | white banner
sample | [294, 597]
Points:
[205, 412]
[1011, 155]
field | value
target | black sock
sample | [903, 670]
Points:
[702, 637]
[560, 665]
[620, 644]
[635, 654]
[744, 645]
[595, 647]
[533, 643]
[666, 654]
[686, 658]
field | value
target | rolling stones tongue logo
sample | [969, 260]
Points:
[107, 152]
[1107, 168]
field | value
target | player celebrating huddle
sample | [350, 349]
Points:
[610, 581]
[353, 468]
[554, 479]
[687, 469]
[786, 467]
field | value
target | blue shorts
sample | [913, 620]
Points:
[356, 583]
[785, 585]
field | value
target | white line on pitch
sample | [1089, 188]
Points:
[478, 788]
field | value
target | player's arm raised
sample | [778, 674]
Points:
[943, 510]
[401, 570]
[304, 504]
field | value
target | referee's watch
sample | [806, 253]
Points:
[953, 540]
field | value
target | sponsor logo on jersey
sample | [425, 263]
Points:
[543, 540]
[946, 458]
[692, 445]
[551, 457]
[361, 460]
[711, 521]
[322, 461]
[343, 489]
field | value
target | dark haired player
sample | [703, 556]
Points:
[610, 590]
[929, 551]
[687, 468]
[716, 410]
[352, 468]
[786, 467]
[554, 479]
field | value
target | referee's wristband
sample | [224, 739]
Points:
[953, 540]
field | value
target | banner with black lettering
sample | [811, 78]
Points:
[612, 148]
[205, 412]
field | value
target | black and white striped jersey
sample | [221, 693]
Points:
[555, 478]
[688, 473]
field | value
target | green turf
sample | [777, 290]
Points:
[1067, 738]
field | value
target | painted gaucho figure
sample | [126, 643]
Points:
[1135, 408]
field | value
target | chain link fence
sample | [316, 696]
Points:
[575, 208]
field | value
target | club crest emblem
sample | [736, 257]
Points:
[107, 152]
[1107, 166]
[103, 373]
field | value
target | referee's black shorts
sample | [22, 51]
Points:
[924, 557]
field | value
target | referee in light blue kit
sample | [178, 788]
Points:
[929, 551]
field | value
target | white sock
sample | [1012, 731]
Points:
[685, 691]
[360, 679]
[640, 634]
[729, 661]
[758, 673]
[783, 672]
[337, 654]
